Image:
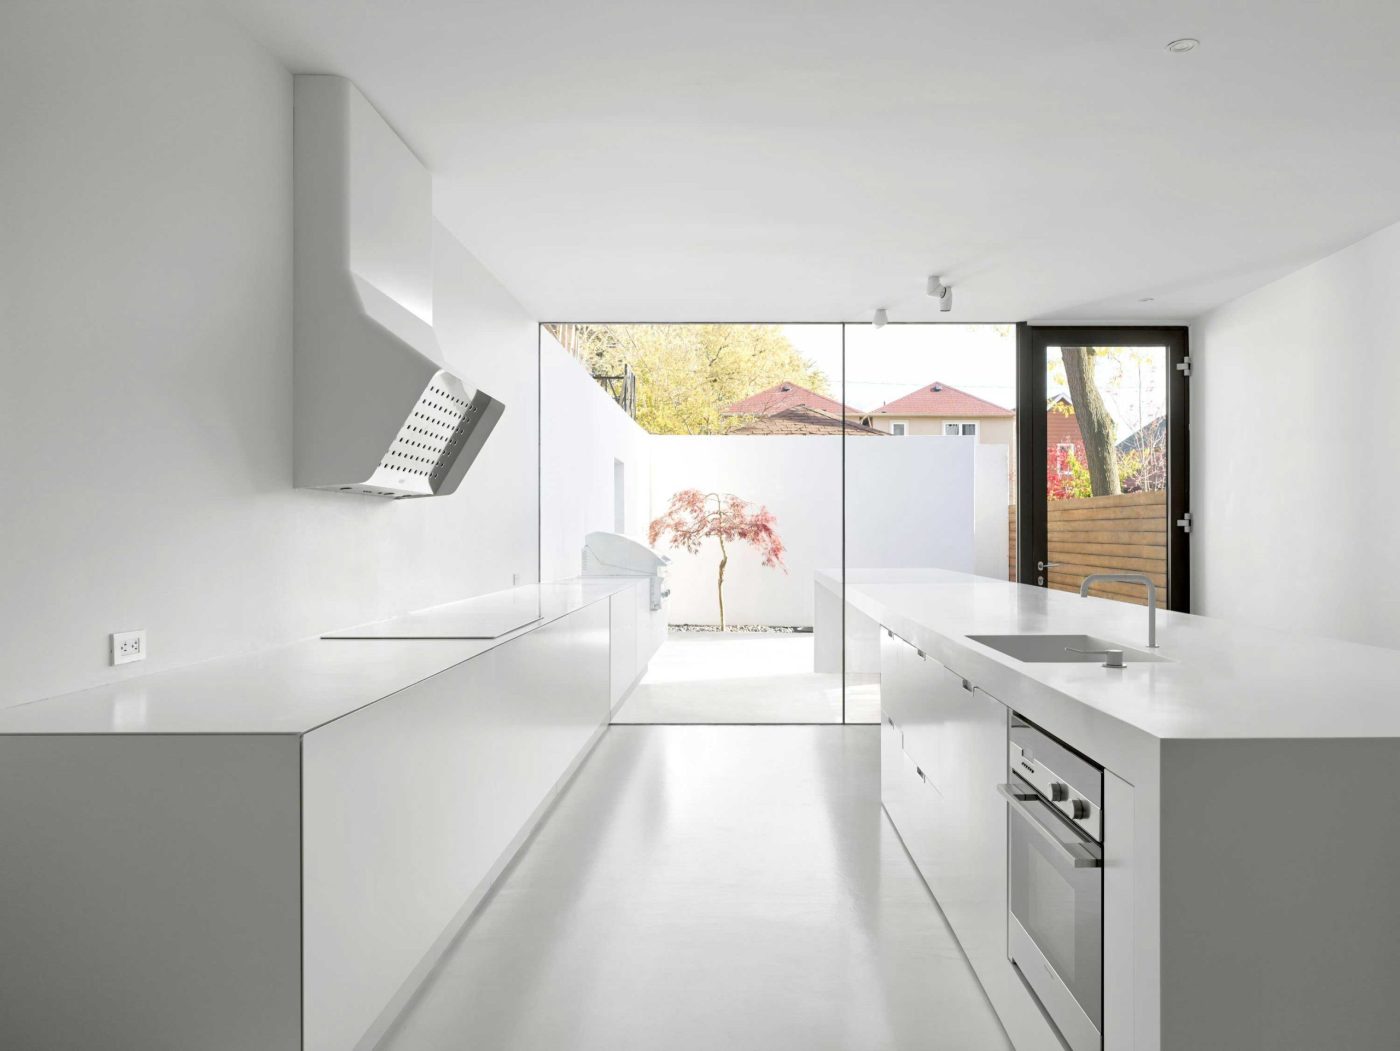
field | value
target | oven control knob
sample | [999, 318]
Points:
[1079, 810]
[1059, 792]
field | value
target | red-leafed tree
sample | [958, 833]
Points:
[1066, 477]
[693, 517]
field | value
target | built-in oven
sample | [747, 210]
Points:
[1055, 880]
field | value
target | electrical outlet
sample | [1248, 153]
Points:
[128, 646]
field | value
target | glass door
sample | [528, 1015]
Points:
[1112, 436]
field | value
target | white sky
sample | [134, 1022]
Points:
[886, 363]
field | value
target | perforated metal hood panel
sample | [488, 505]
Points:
[434, 440]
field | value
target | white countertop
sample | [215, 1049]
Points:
[483, 617]
[1219, 679]
[293, 689]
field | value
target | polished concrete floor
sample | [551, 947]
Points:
[734, 677]
[710, 888]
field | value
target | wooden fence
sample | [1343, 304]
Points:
[1105, 534]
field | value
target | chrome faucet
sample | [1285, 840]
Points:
[1130, 578]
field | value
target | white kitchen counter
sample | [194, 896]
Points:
[294, 689]
[304, 829]
[1218, 679]
[1251, 827]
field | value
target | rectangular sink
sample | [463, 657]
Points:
[1054, 649]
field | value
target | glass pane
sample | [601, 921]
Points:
[932, 500]
[1106, 467]
[719, 446]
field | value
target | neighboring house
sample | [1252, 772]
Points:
[1150, 437]
[1142, 457]
[1148, 445]
[1062, 433]
[782, 396]
[938, 409]
[802, 419]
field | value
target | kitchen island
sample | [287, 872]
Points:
[271, 851]
[1251, 829]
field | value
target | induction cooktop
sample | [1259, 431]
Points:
[487, 617]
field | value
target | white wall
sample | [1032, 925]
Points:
[1295, 441]
[145, 323]
[991, 496]
[797, 478]
[583, 433]
[911, 502]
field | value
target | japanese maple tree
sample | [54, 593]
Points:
[694, 517]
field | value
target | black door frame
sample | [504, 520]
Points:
[1032, 342]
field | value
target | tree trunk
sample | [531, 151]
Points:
[723, 561]
[1095, 424]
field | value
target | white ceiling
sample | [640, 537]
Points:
[786, 160]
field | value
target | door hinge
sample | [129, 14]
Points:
[1184, 366]
[1185, 522]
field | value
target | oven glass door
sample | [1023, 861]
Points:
[1059, 905]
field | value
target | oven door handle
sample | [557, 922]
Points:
[1078, 854]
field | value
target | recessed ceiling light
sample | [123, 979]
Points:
[1147, 299]
[1185, 44]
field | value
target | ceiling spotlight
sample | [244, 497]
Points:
[941, 292]
[881, 318]
[1185, 44]
[1147, 299]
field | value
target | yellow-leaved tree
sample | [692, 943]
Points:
[687, 374]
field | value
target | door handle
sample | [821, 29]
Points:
[1078, 854]
[1043, 566]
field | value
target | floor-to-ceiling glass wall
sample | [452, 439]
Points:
[771, 464]
[930, 468]
[729, 437]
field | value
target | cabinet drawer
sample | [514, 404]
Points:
[910, 798]
[930, 735]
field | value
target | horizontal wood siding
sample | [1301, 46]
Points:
[1106, 534]
[1011, 543]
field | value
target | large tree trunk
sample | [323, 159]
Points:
[1095, 424]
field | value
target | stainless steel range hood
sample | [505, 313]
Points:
[377, 409]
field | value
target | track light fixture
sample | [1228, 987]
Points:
[881, 318]
[941, 292]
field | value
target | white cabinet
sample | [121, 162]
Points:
[651, 627]
[954, 736]
[637, 633]
[913, 772]
[970, 876]
[280, 890]
[149, 891]
[624, 666]
[411, 806]
[943, 752]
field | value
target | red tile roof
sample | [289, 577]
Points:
[783, 396]
[803, 420]
[939, 399]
